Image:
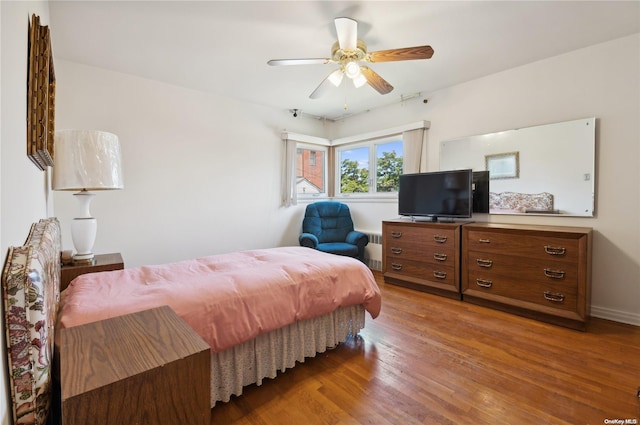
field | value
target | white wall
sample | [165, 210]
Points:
[202, 174]
[601, 81]
[23, 187]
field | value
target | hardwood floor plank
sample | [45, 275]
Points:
[433, 360]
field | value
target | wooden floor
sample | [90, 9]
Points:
[431, 360]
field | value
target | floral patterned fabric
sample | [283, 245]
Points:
[31, 283]
[520, 202]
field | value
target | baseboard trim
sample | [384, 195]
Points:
[615, 315]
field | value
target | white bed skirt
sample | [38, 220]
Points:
[262, 357]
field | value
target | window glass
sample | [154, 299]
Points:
[311, 171]
[388, 166]
[354, 170]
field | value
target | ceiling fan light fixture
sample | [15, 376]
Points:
[350, 53]
[336, 77]
[359, 80]
[352, 69]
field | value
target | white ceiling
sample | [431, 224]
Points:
[223, 47]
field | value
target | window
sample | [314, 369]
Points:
[311, 170]
[371, 167]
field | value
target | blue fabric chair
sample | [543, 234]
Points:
[327, 226]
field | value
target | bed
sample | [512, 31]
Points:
[517, 203]
[271, 309]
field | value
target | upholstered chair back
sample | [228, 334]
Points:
[329, 221]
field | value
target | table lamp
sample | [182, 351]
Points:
[85, 161]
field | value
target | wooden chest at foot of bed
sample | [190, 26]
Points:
[143, 368]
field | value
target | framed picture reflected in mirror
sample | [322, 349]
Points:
[503, 165]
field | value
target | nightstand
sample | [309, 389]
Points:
[148, 368]
[102, 263]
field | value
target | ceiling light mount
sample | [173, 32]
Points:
[341, 56]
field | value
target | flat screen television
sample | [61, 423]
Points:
[480, 191]
[434, 195]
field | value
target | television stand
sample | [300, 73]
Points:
[423, 219]
[432, 219]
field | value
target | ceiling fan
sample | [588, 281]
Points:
[350, 52]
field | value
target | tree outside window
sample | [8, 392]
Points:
[381, 160]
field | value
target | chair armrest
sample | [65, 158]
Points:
[357, 238]
[308, 239]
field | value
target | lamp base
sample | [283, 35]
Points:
[83, 261]
[83, 230]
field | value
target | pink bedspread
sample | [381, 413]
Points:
[230, 298]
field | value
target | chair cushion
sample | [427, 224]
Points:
[340, 248]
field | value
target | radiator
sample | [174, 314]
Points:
[373, 251]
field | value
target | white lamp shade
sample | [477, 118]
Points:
[86, 160]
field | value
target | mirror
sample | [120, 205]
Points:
[546, 169]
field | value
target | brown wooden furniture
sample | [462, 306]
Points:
[102, 263]
[543, 272]
[143, 368]
[422, 255]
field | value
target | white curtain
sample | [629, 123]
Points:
[414, 147]
[289, 190]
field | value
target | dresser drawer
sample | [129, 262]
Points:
[548, 294]
[430, 254]
[521, 245]
[407, 236]
[548, 270]
[442, 273]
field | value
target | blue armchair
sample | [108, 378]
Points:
[328, 227]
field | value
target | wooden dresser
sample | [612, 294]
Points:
[102, 263]
[422, 255]
[142, 368]
[542, 272]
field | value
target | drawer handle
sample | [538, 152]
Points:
[484, 283]
[396, 267]
[484, 240]
[553, 296]
[555, 250]
[439, 257]
[554, 274]
[396, 250]
[484, 263]
[440, 275]
[439, 238]
[396, 235]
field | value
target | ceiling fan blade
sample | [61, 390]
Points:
[407, 53]
[376, 81]
[327, 83]
[284, 62]
[347, 30]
